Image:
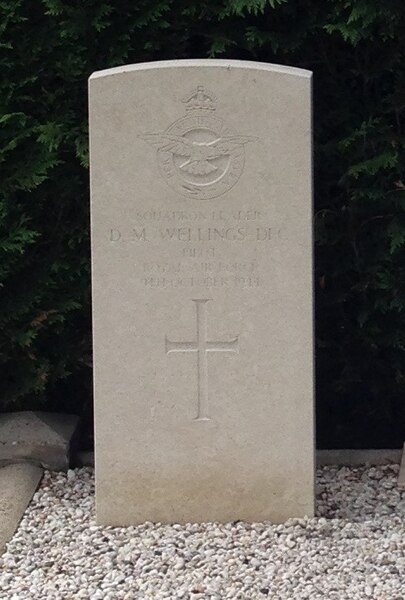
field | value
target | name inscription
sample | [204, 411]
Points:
[201, 239]
[188, 234]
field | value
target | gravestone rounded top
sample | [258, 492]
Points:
[203, 62]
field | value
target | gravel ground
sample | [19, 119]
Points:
[354, 549]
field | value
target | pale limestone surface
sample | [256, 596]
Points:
[202, 291]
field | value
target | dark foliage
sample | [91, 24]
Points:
[356, 49]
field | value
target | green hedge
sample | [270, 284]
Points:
[356, 49]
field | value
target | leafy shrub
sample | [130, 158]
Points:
[356, 50]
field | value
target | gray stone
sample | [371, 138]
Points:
[201, 183]
[358, 457]
[17, 486]
[37, 437]
[401, 476]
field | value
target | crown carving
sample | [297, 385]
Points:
[200, 100]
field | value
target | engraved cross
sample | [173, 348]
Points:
[202, 346]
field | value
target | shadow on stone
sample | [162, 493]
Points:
[37, 437]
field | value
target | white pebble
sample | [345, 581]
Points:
[354, 549]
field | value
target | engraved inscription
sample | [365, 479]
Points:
[202, 247]
[201, 346]
[198, 155]
[152, 215]
[192, 234]
[165, 283]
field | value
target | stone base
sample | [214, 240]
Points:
[401, 476]
[357, 457]
[346, 457]
[17, 486]
[37, 437]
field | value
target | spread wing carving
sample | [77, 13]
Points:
[198, 153]
[227, 144]
[170, 143]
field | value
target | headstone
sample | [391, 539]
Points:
[202, 291]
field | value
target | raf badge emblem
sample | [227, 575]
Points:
[198, 155]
